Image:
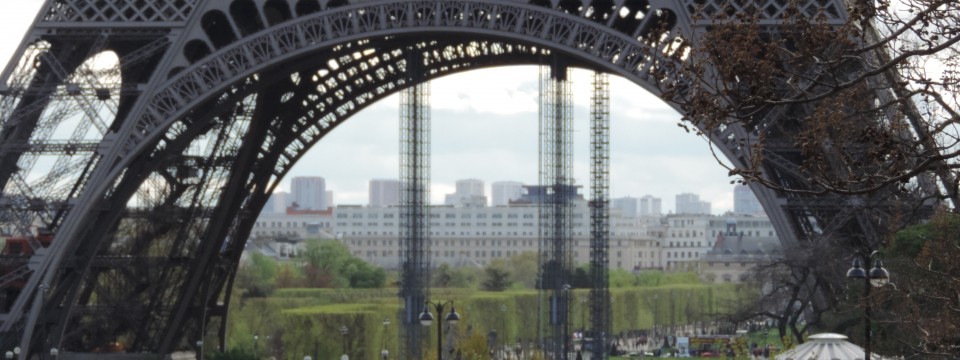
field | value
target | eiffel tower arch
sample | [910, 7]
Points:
[190, 112]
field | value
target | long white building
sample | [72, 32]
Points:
[474, 236]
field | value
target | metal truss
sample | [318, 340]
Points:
[600, 306]
[208, 104]
[556, 205]
[414, 206]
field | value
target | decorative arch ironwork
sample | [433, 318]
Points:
[211, 82]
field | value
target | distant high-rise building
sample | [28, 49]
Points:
[277, 203]
[627, 206]
[470, 187]
[745, 201]
[309, 192]
[690, 204]
[467, 189]
[504, 191]
[328, 200]
[650, 206]
[384, 192]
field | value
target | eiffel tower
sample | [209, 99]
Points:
[141, 139]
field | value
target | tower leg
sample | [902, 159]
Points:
[414, 207]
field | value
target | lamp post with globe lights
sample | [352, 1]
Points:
[344, 331]
[426, 319]
[15, 353]
[876, 277]
[503, 328]
[384, 353]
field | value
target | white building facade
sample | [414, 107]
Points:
[688, 203]
[502, 192]
[309, 192]
[628, 206]
[745, 201]
[650, 206]
[384, 192]
[277, 203]
[474, 236]
[469, 192]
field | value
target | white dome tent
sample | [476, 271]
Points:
[826, 346]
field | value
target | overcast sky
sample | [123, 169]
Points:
[485, 127]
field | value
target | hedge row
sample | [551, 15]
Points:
[307, 321]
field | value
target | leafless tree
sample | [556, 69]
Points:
[791, 291]
[869, 102]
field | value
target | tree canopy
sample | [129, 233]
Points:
[322, 264]
[869, 102]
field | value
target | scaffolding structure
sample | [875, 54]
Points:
[556, 208]
[600, 306]
[414, 209]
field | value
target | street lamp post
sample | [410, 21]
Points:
[383, 343]
[876, 277]
[344, 331]
[656, 312]
[503, 327]
[426, 318]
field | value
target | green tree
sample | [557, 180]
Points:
[923, 302]
[323, 261]
[619, 278]
[256, 275]
[523, 269]
[288, 276]
[442, 276]
[361, 275]
[496, 276]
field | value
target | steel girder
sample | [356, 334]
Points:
[600, 305]
[194, 144]
[557, 195]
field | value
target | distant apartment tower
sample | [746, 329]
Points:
[626, 205]
[501, 192]
[384, 192]
[468, 191]
[309, 192]
[690, 204]
[650, 206]
[328, 200]
[745, 201]
[277, 203]
[470, 187]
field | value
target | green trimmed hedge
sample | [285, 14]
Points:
[307, 321]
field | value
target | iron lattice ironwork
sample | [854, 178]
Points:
[414, 208]
[139, 140]
[556, 194]
[600, 306]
